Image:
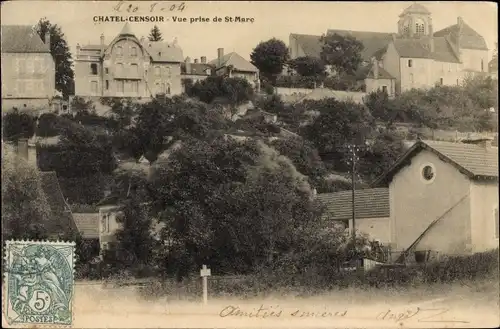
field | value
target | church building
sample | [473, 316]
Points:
[128, 67]
[414, 57]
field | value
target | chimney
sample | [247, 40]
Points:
[460, 24]
[375, 68]
[47, 38]
[143, 39]
[220, 54]
[203, 60]
[196, 60]
[188, 65]
[77, 49]
[483, 142]
[22, 148]
[102, 44]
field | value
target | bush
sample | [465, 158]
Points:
[18, 125]
[297, 81]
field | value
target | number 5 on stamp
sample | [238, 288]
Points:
[39, 283]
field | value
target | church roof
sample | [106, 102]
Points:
[238, 63]
[126, 30]
[372, 41]
[415, 9]
[310, 44]
[22, 39]
[419, 48]
[469, 38]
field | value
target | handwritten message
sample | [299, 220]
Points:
[155, 7]
[422, 315]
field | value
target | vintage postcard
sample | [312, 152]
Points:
[249, 164]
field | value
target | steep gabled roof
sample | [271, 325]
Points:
[369, 203]
[310, 44]
[469, 38]
[61, 217]
[474, 161]
[238, 63]
[161, 51]
[88, 224]
[22, 39]
[372, 42]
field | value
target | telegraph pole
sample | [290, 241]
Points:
[353, 158]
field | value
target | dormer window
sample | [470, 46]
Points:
[134, 51]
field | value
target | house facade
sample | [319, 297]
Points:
[235, 66]
[197, 70]
[454, 184]
[28, 69]
[415, 56]
[128, 67]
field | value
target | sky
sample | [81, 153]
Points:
[271, 19]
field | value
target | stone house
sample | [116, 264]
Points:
[233, 65]
[415, 56]
[454, 184]
[28, 69]
[196, 71]
[128, 67]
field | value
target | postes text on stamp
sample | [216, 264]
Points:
[39, 282]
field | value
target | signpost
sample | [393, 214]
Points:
[205, 273]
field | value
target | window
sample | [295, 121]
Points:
[168, 89]
[410, 63]
[419, 28]
[384, 89]
[411, 78]
[157, 70]
[120, 86]
[119, 51]
[30, 66]
[106, 70]
[162, 88]
[135, 86]
[93, 87]
[104, 223]
[428, 173]
[133, 51]
[167, 71]
[107, 84]
[135, 69]
[119, 68]
[482, 65]
[497, 227]
[93, 69]
[406, 29]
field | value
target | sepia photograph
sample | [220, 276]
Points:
[250, 164]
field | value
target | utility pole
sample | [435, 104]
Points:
[353, 159]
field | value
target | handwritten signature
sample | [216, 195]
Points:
[423, 315]
[125, 6]
[419, 314]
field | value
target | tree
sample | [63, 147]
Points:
[155, 34]
[232, 204]
[269, 57]
[339, 124]
[62, 56]
[343, 53]
[308, 66]
[18, 125]
[230, 91]
[25, 209]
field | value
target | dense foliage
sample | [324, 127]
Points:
[17, 125]
[269, 57]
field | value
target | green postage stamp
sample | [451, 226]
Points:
[39, 283]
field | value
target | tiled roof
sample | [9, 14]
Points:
[443, 51]
[62, 219]
[22, 39]
[310, 44]
[197, 68]
[238, 63]
[161, 51]
[413, 48]
[415, 9]
[473, 160]
[88, 224]
[372, 41]
[367, 72]
[469, 38]
[369, 203]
